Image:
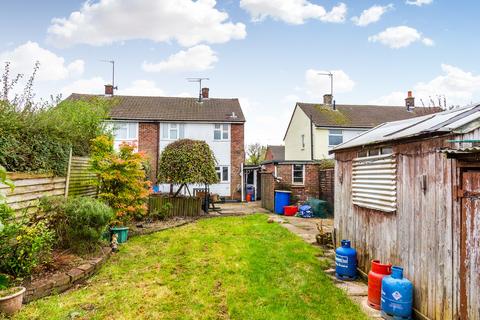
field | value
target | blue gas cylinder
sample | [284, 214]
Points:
[397, 295]
[346, 262]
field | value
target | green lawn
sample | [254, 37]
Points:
[222, 268]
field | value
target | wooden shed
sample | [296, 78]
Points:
[408, 192]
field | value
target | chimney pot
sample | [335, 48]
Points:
[410, 101]
[327, 99]
[205, 92]
[108, 90]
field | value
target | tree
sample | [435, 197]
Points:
[256, 153]
[121, 178]
[187, 161]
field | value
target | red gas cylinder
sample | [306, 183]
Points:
[375, 276]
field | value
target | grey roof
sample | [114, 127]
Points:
[450, 121]
[278, 152]
[172, 108]
[359, 116]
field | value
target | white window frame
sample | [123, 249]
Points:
[303, 174]
[303, 142]
[334, 135]
[129, 126]
[222, 128]
[219, 170]
[179, 128]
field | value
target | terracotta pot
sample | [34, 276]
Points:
[13, 302]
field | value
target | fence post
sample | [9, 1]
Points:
[67, 182]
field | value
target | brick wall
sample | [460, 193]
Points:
[326, 179]
[311, 186]
[148, 143]
[237, 158]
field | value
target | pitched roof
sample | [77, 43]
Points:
[172, 108]
[455, 120]
[359, 116]
[278, 153]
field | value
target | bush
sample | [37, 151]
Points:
[121, 180]
[78, 223]
[22, 246]
[86, 221]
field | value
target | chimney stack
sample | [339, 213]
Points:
[410, 101]
[205, 92]
[108, 90]
[327, 99]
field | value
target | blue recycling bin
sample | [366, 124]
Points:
[282, 199]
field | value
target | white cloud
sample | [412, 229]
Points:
[186, 21]
[458, 87]
[418, 3]
[371, 15]
[142, 88]
[197, 58]
[317, 85]
[292, 11]
[52, 67]
[428, 42]
[93, 85]
[400, 37]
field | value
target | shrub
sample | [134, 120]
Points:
[78, 222]
[121, 180]
[22, 246]
[187, 161]
[86, 220]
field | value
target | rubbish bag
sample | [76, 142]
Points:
[320, 208]
[305, 211]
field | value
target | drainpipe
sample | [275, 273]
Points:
[311, 137]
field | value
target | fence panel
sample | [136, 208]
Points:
[28, 189]
[80, 179]
[268, 186]
[327, 185]
[180, 206]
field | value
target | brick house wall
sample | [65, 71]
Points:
[311, 185]
[148, 140]
[237, 151]
[327, 185]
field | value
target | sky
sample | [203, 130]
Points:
[267, 53]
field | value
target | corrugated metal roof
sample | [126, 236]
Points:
[442, 122]
[460, 150]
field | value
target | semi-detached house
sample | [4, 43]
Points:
[151, 123]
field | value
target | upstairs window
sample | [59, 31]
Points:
[173, 131]
[335, 137]
[125, 130]
[220, 132]
[222, 173]
[298, 173]
[303, 141]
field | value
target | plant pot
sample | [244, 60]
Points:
[121, 232]
[12, 302]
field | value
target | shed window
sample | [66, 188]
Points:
[298, 173]
[374, 182]
[220, 132]
[335, 137]
[173, 131]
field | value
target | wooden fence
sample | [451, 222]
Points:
[79, 178]
[268, 188]
[179, 206]
[30, 188]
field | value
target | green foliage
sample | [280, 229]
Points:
[187, 161]
[78, 222]
[4, 281]
[161, 214]
[23, 246]
[326, 164]
[39, 140]
[256, 153]
[121, 179]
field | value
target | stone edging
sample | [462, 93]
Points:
[63, 281]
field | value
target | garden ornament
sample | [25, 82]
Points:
[114, 242]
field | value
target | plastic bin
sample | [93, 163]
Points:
[290, 210]
[282, 199]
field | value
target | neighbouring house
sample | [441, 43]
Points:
[315, 128]
[151, 123]
[408, 193]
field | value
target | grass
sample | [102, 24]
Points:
[222, 268]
